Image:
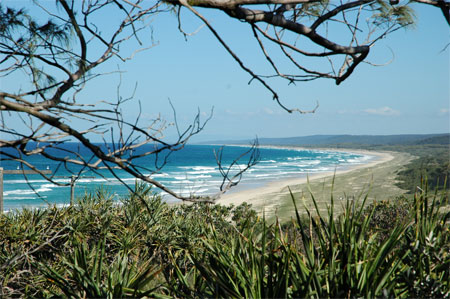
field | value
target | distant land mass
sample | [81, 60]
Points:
[342, 140]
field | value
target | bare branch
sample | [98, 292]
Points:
[232, 174]
[57, 59]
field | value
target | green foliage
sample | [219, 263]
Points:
[146, 248]
[338, 256]
[389, 15]
[86, 273]
[34, 38]
[99, 248]
[435, 169]
[314, 9]
[386, 215]
[428, 248]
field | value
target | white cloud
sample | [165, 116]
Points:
[230, 112]
[444, 111]
[351, 112]
[260, 112]
[385, 111]
[268, 111]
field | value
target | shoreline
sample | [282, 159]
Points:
[272, 195]
[263, 193]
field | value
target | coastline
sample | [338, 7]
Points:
[274, 197]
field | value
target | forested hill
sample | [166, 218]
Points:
[342, 140]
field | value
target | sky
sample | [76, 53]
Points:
[410, 95]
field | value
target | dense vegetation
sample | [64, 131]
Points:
[145, 247]
[433, 167]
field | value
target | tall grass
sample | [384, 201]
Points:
[144, 247]
[329, 256]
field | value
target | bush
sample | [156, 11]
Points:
[386, 215]
[364, 252]
[144, 247]
[435, 169]
[98, 248]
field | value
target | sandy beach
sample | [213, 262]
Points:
[378, 175]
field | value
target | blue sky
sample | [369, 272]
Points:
[408, 96]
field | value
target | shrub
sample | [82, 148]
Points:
[364, 252]
[144, 247]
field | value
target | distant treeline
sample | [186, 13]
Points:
[343, 140]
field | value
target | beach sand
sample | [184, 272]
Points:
[377, 175]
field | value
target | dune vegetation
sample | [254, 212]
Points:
[145, 247]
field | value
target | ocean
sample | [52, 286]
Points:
[192, 170]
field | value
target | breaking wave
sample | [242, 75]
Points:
[190, 176]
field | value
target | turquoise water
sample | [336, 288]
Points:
[191, 170]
